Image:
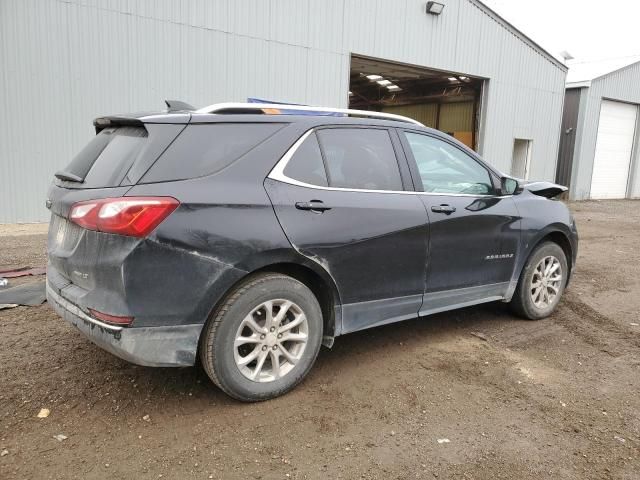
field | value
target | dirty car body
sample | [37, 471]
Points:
[372, 253]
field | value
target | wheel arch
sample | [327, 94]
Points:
[560, 238]
[554, 233]
[315, 277]
[322, 286]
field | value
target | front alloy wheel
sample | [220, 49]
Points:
[546, 282]
[541, 282]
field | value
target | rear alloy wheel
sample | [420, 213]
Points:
[541, 283]
[270, 340]
[263, 339]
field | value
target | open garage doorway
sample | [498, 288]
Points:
[446, 101]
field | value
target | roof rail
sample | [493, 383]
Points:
[271, 108]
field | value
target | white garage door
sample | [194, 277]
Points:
[614, 144]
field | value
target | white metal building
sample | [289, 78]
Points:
[599, 153]
[465, 71]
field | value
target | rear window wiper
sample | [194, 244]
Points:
[69, 177]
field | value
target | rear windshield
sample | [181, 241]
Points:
[121, 148]
[102, 161]
[205, 149]
[118, 156]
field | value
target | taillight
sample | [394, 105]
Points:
[131, 216]
[111, 319]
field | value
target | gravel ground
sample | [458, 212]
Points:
[473, 394]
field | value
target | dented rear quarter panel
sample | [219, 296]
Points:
[224, 229]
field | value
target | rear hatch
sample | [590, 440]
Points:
[122, 151]
[98, 257]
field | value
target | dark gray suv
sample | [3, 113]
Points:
[248, 235]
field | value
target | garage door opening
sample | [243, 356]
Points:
[614, 146]
[446, 101]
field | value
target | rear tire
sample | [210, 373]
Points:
[263, 339]
[541, 282]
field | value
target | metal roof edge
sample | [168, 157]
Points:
[519, 34]
[617, 70]
[580, 84]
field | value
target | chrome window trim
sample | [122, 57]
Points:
[277, 173]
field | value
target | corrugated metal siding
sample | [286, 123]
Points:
[453, 117]
[68, 61]
[621, 85]
[427, 114]
[456, 117]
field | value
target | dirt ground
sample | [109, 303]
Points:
[471, 394]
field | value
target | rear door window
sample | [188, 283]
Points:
[306, 163]
[208, 148]
[360, 158]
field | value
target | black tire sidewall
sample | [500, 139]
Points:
[526, 305]
[227, 372]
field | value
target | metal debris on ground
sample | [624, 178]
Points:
[3, 282]
[60, 437]
[481, 336]
[22, 272]
[29, 294]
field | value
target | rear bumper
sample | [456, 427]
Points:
[171, 346]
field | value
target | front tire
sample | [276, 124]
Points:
[541, 283]
[263, 339]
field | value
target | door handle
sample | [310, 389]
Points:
[446, 209]
[314, 206]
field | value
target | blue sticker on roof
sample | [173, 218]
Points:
[284, 111]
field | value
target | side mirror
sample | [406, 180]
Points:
[509, 186]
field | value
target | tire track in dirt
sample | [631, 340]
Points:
[541, 399]
[595, 328]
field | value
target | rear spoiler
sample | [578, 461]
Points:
[178, 106]
[101, 123]
[68, 176]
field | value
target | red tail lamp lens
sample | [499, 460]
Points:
[130, 216]
[111, 319]
[85, 214]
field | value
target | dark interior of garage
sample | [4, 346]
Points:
[446, 101]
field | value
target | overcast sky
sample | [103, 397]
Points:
[588, 29]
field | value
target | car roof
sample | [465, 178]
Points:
[310, 121]
[180, 112]
[306, 119]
